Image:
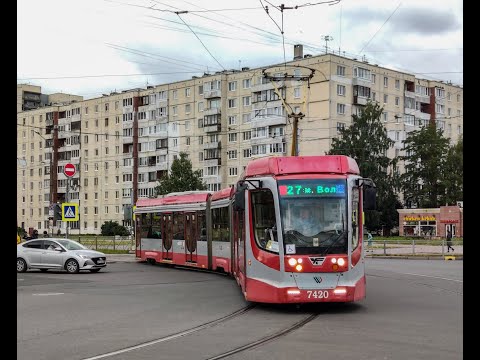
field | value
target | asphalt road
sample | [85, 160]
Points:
[413, 310]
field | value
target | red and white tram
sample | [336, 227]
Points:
[290, 231]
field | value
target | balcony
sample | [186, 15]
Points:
[360, 100]
[127, 139]
[422, 98]
[409, 94]
[271, 103]
[270, 120]
[212, 111]
[212, 128]
[212, 162]
[361, 82]
[421, 115]
[208, 94]
[212, 145]
[267, 86]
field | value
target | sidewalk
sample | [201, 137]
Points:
[413, 252]
[119, 258]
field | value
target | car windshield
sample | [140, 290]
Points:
[71, 245]
[313, 214]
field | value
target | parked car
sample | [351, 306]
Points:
[59, 254]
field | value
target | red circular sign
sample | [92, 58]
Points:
[69, 170]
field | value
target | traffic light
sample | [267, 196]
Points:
[57, 212]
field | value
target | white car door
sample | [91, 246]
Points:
[32, 251]
[52, 258]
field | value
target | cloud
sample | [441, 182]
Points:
[424, 21]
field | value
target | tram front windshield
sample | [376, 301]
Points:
[314, 216]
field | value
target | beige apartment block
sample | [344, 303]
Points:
[123, 143]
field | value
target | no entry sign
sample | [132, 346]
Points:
[69, 170]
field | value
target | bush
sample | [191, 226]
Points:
[112, 228]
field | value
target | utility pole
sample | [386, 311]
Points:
[66, 200]
[295, 117]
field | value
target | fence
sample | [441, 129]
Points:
[105, 243]
[413, 247]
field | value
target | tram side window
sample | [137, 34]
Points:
[156, 229]
[220, 226]
[145, 225]
[355, 212]
[263, 220]
[178, 226]
[202, 225]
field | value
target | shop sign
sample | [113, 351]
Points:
[419, 218]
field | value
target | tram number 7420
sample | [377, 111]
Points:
[317, 294]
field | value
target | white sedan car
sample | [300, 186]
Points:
[59, 254]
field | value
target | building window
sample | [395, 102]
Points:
[233, 171]
[232, 154]
[247, 83]
[246, 101]
[341, 90]
[397, 84]
[385, 81]
[340, 126]
[340, 70]
[232, 120]
[385, 99]
[232, 137]
[232, 86]
[397, 101]
[341, 109]
[232, 103]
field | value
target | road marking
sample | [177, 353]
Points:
[435, 277]
[48, 294]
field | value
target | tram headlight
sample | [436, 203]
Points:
[341, 261]
[292, 262]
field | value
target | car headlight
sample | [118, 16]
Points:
[85, 256]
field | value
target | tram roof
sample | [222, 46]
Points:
[222, 194]
[175, 198]
[287, 165]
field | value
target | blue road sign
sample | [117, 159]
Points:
[69, 212]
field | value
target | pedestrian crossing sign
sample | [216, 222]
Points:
[69, 212]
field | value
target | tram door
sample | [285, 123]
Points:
[239, 247]
[167, 234]
[190, 220]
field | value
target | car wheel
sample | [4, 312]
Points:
[43, 270]
[94, 270]
[72, 266]
[21, 265]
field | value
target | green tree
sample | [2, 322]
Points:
[453, 174]
[181, 177]
[367, 142]
[423, 182]
[111, 228]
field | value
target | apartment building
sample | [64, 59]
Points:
[123, 143]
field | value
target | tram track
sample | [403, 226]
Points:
[225, 354]
[195, 329]
[266, 339]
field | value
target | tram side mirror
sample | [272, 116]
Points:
[369, 198]
[239, 204]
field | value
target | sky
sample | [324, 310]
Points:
[94, 47]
